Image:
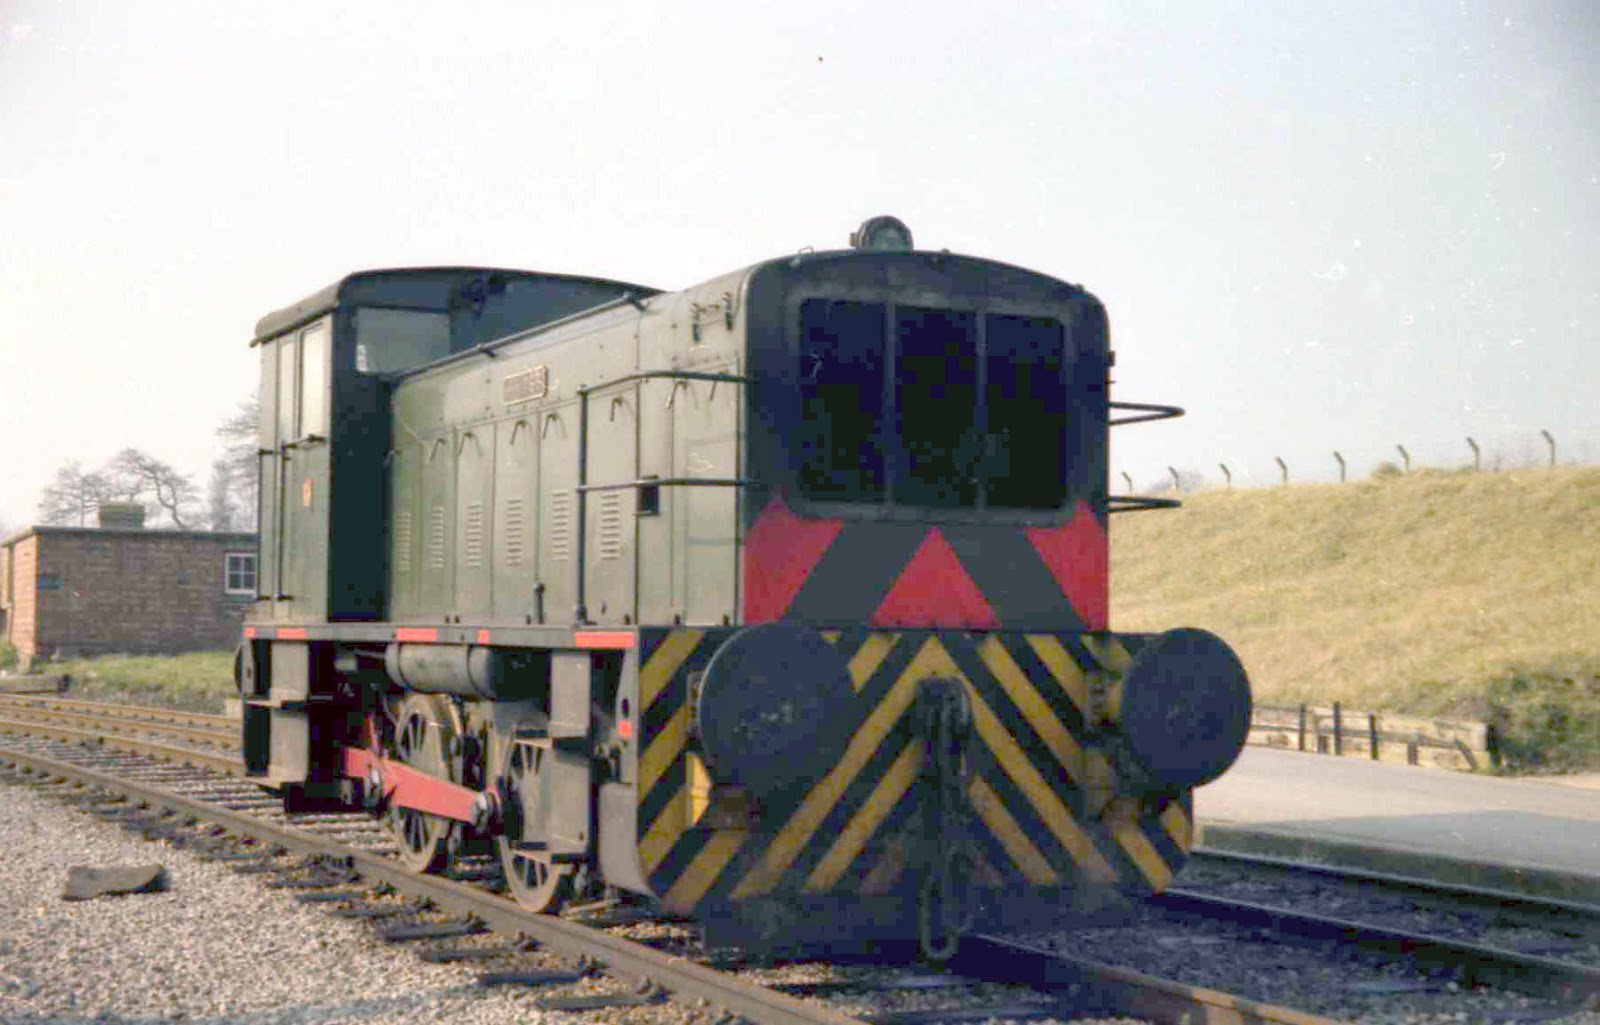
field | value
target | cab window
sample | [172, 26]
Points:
[392, 341]
[841, 436]
[314, 379]
[932, 407]
[1026, 402]
[936, 403]
[288, 358]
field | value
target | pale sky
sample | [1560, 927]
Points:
[1318, 226]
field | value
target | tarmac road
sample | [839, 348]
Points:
[1532, 823]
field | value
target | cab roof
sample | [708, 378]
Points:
[351, 288]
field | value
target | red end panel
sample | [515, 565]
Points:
[1078, 556]
[780, 551]
[934, 590]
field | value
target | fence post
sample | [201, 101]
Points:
[1477, 457]
[1226, 474]
[1128, 481]
[1174, 473]
[1302, 727]
[1338, 730]
[1284, 467]
[1405, 456]
[1372, 734]
[1341, 466]
[1548, 440]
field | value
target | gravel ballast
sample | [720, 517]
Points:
[215, 946]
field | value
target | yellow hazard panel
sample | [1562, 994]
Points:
[1039, 801]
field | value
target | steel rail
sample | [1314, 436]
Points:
[1111, 990]
[622, 957]
[1473, 963]
[1510, 905]
[226, 763]
[172, 715]
[112, 720]
[986, 958]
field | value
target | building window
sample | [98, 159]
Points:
[240, 573]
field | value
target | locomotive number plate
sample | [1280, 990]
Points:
[526, 386]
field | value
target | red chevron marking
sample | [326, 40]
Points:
[780, 551]
[934, 590]
[1078, 556]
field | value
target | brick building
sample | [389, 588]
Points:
[92, 590]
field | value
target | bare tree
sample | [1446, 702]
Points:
[136, 476]
[217, 498]
[74, 497]
[235, 476]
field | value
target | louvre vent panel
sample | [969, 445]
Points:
[561, 525]
[516, 540]
[472, 546]
[436, 544]
[611, 541]
[402, 542]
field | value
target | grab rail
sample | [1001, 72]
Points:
[581, 610]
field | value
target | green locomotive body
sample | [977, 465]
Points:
[780, 600]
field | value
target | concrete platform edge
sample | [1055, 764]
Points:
[1534, 880]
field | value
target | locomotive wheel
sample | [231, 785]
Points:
[538, 884]
[422, 739]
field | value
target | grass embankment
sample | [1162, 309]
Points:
[199, 681]
[1442, 594]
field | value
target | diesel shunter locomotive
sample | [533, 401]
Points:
[778, 602]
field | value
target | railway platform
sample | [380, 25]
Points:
[1534, 835]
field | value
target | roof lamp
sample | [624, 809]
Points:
[882, 235]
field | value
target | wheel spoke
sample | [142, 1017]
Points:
[537, 884]
[420, 740]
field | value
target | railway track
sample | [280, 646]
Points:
[1440, 939]
[186, 738]
[129, 767]
[1474, 935]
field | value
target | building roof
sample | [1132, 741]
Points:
[243, 537]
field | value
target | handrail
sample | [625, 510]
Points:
[673, 482]
[581, 609]
[1138, 503]
[674, 375]
[1151, 411]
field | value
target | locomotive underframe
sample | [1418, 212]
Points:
[1052, 826]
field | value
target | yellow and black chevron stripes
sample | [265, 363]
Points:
[1041, 793]
[663, 706]
[1028, 859]
[1111, 660]
[797, 831]
[891, 787]
[1063, 669]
